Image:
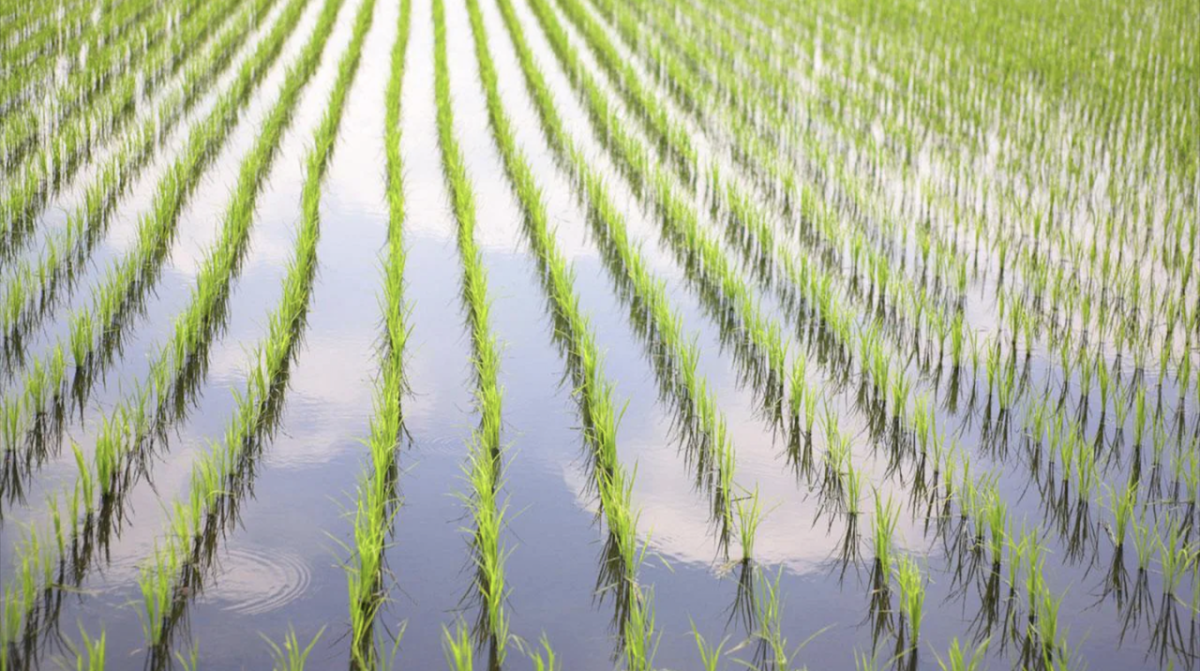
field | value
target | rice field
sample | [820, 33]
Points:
[600, 334]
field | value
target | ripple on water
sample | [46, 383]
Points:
[254, 581]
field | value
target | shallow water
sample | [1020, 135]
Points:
[280, 566]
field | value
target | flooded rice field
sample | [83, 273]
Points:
[599, 334]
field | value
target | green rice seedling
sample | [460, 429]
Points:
[56, 524]
[837, 460]
[911, 588]
[483, 469]
[191, 662]
[996, 517]
[640, 632]
[154, 582]
[1144, 541]
[992, 364]
[456, 645]
[710, 655]
[1086, 475]
[962, 658]
[1158, 438]
[1020, 547]
[545, 659]
[900, 387]
[377, 504]
[1175, 555]
[1104, 377]
[810, 413]
[82, 330]
[290, 656]
[864, 662]
[10, 414]
[922, 421]
[774, 651]
[1046, 626]
[886, 516]
[799, 385]
[92, 654]
[750, 515]
[1139, 417]
[1190, 467]
[853, 489]
[1122, 504]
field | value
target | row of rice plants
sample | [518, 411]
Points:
[950, 273]
[754, 250]
[27, 64]
[672, 139]
[33, 288]
[767, 352]
[124, 434]
[905, 293]
[37, 277]
[1086, 365]
[678, 216]
[17, 20]
[672, 352]
[1007, 403]
[1043, 218]
[943, 261]
[1085, 478]
[695, 248]
[23, 129]
[483, 470]
[633, 602]
[95, 327]
[157, 402]
[768, 634]
[377, 501]
[23, 20]
[37, 27]
[58, 152]
[683, 83]
[726, 192]
[1068, 286]
[1145, 49]
[177, 566]
[852, 478]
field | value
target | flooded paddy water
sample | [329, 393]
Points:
[599, 334]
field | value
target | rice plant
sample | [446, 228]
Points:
[377, 501]
[483, 469]
[291, 656]
[613, 483]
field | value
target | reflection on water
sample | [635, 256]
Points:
[279, 565]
